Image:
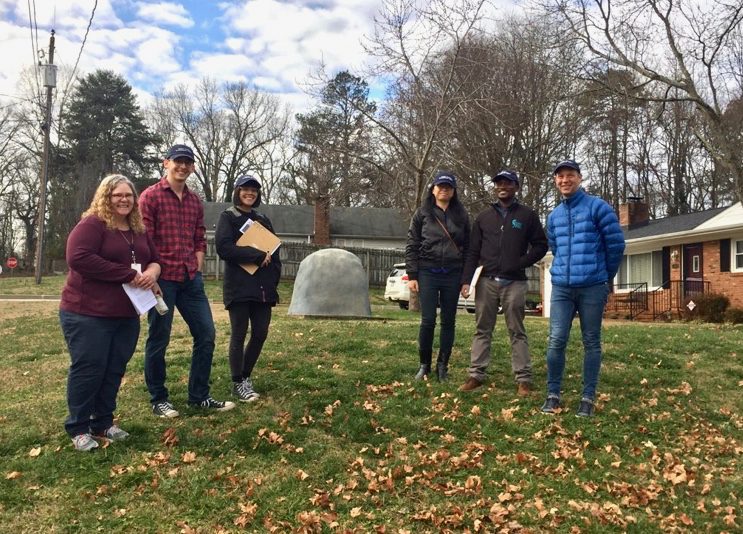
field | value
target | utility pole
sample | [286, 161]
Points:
[50, 82]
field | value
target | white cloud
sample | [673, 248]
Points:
[222, 67]
[166, 13]
[274, 45]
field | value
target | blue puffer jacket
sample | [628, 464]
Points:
[586, 241]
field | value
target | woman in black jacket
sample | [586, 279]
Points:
[247, 297]
[437, 245]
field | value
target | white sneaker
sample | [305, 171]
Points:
[115, 433]
[84, 442]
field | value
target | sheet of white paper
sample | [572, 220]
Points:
[475, 278]
[142, 299]
[245, 226]
[473, 283]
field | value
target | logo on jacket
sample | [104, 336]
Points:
[518, 225]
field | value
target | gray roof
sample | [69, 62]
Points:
[344, 222]
[672, 225]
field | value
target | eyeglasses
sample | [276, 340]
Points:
[185, 162]
[119, 196]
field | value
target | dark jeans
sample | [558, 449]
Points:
[189, 297]
[100, 348]
[440, 289]
[589, 302]
[257, 315]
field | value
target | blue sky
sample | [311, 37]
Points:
[273, 45]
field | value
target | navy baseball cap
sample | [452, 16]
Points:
[566, 164]
[505, 174]
[180, 151]
[247, 180]
[445, 177]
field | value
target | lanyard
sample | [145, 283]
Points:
[131, 246]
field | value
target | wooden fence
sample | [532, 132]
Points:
[377, 262]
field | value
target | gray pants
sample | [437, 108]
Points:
[489, 296]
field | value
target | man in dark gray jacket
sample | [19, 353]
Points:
[506, 238]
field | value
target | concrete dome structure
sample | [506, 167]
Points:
[331, 282]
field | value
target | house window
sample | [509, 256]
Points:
[738, 255]
[695, 264]
[641, 268]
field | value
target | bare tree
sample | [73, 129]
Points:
[226, 125]
[519, 112]
[681, 51]
[418, 47]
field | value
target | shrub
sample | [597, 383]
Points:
[710, 308]
[734, 315]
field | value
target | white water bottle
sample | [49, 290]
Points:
[160, 305]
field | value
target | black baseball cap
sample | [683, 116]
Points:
[180, 151]
[505, 174]
[247, 180]
[566, 164]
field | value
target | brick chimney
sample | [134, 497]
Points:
[322, 220]
[634, 213]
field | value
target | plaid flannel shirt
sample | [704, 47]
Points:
[176, 227]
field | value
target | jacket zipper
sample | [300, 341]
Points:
[570, 238]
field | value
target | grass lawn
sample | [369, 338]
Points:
[343, 440]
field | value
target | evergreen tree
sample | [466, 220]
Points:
[102, 132]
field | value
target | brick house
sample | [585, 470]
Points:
[669, 261]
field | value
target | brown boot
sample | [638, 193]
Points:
[470, 385]
[524, 389]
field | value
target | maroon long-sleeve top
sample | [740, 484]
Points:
[100, 260]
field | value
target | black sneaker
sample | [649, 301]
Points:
[211, 404]
[244, 391]
[586, 408]
[164, 409]
[551, 404]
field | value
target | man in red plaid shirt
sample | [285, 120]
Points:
[174, 217]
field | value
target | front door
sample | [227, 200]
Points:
[693, 269]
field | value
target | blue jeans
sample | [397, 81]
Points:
[437, 289]
[100, 348]
[589, 302]
[190, 299]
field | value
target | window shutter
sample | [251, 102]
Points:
[666, 267]
[724, 255]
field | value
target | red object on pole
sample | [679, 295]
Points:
[12, 263]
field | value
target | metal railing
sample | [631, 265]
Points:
[674, 295]
[629, 303]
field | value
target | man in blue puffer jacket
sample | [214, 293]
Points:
[587, 244]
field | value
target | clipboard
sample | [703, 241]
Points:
[257, 236]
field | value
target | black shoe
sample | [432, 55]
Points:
[164, 409]
[551, 404]
[215, 405]
[442, 367]
[442, 372]
[423, 372]
[586, 408]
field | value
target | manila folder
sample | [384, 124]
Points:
[260, 237]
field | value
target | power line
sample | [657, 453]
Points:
[79, 55]
[34, 46]
[36, 27]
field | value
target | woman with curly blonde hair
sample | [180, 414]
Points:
[107, 248]
[102, 207]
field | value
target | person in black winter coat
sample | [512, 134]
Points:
[507, 237]
[247, 297]
[438, 238]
